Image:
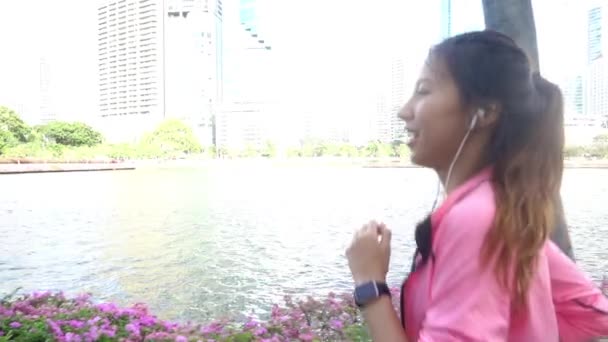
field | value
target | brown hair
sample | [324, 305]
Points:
[526, 147]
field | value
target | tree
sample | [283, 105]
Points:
[515, 18]
[601, 139]
[13, 126]
[250, 151]
[347, 150]
[70, 133]
[173, 138]
[269, 150]
[6, 140]
[372, 148]
[402, 151]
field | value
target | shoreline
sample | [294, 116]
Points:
[56, 166]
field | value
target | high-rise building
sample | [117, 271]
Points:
[158, 59]
[47, 112]
[596, 92]
[194, 63]
[249, 103]
[130, 66]
[248, 55]
[572, 90]
[446, 18]
[394, 90]
[596, 97]
[252, 21]
[460, 16]
[597, 37]
[399, 86]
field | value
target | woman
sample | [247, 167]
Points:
[484, 269]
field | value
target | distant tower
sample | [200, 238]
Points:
[47, 113]
[597, 68]
[446, 18]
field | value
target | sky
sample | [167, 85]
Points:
[328, 53]
[58, 31]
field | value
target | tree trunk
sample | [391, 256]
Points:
[515, 18]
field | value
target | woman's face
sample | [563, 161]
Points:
[435, 120]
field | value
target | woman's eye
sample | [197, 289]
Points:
[422, 91]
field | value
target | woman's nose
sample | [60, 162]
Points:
[406, 113]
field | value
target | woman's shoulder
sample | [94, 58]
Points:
[473, 215]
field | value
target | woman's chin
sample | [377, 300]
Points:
[417, 159]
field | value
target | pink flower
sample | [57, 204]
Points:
[94, 320]
[107, 307]
[41, 294]
[54, 327]
[147, 321]
[83, 298]
[181, 338]
[159, 335]
[71, 337]
[169, 326]
[93, 334]
[251, 324]
[260, 331]
[272, 339]
[6, 312]
[337, 324]
[109, 332]
[76, 324]
[133, 329]
[306, 336]
[15, 325]
[213, 328]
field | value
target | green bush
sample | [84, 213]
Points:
[172, 138]
[574, 151]
[12, 125]
[601, 139]
[35, 149]
[598, 151]
[7, 140]
[70, 133]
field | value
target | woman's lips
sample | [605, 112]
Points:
[412, 136]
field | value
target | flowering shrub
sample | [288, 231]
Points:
[53, 317]
[46, 316]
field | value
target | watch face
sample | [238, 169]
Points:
[366, 292]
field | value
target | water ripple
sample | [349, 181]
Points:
[197, 244]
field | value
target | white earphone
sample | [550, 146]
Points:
[479, 115]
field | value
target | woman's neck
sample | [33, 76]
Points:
[461, 173]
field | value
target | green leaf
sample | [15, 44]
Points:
[242, 337]
[357, 333]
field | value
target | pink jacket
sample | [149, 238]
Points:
[452, 298]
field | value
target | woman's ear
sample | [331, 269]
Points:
[487, 116]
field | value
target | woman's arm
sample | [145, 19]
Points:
[581, 308]
[382, 320]
[368, 259]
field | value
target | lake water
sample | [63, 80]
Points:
[195, 243]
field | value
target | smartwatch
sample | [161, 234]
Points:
[367, 293]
